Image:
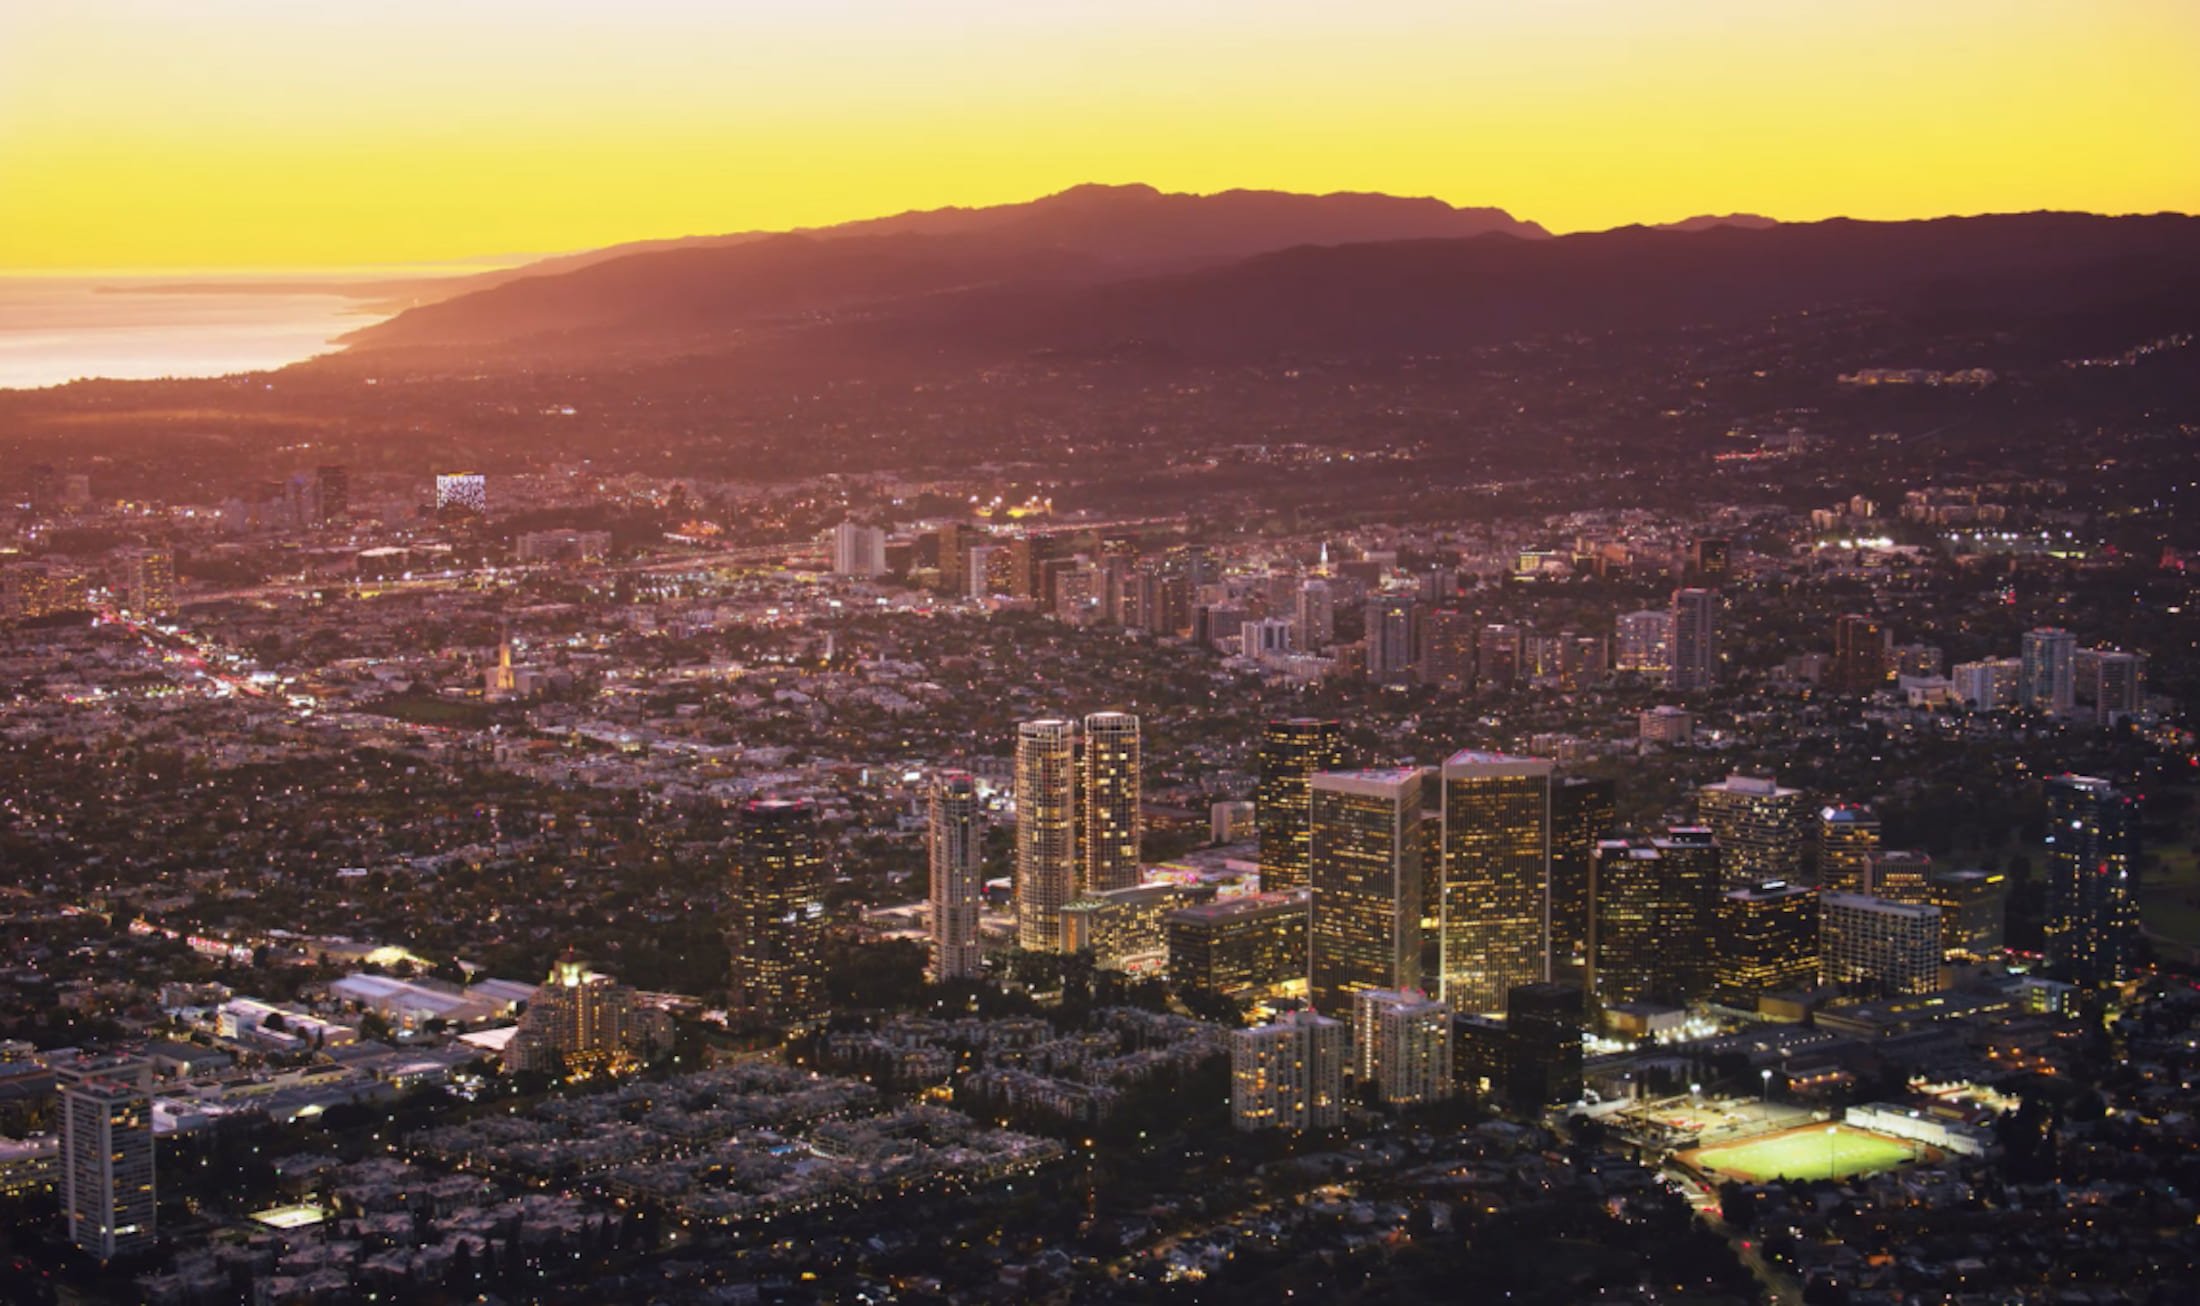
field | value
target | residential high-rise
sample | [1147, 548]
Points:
[1288, 1075]
[1710, 559]
[1583, 812]
[1249, 946]
[1695, 640]
[776, 933]
[1393, 640]
[2047, 670]
[1448, 649]
[1114, 821]
[955, 839]
[144, 580]
[1543, 1025]
[1401, 1044]
[1316, 616]
[1768, 941]
[2120, 693]
[1848, 835]
[1654, 918]
[1643, 644]
[1974, 909]
[1046, 830]
[1759, 826]
[1364, 931]
[1989, 686]
[1872, 948]
[577, 1023]
[1291, 751]
[1494, 910]
[2092, 921]
[332, 492]
[858, 550]
[107, 1163]
[1862, 650]
[1499, 650]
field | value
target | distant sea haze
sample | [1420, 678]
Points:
[59, 329]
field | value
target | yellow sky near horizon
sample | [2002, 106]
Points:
[294, 133]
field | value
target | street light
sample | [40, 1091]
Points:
[1766, 1095]
[1831, 1130]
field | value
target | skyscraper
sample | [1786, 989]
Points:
[1401, 1044]
[1113, 817]
[1316, 615]
[1848, 835]
[332, 492]
[1253, 945]
[1974, 908]
[2047, 671]
[107, 1162]
[144, 580]
[1495, 906]
[1644, 644]
[1365, 863]
[461, 492]
[1768, 941]
[1872, 948]
[1695, 640]
[2120, 693]
[858, 550]
[1898, 875]
[1543, 1026]
[1393, 640]
[1447, 649]
[578, 1022]
[776, 934]
[1291, 751]
[1654, 919]
[2092, 920]
[1288, 1075]
[1759, 826]
[1046, 830]
[1861, 652]
[955, 838]
[1583, 812]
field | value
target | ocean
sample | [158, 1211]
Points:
[55, 329]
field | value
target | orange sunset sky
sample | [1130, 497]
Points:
[178, 134]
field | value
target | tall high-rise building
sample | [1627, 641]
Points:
[577, 1023]
[1643, 644]
[2047, 670]
[1288, 1075]
[1695, 640]
[144, 580]
[1989, 686]
[1127, 928]
[332, 492]
[1364, 931]
[776, 933]
[1249, 946]
[2092, 920]
[1448, 649]
[461, 492]
[1898, 875]
[1316, 616]
[1401, 1044]
[1872, 948]
[955, 839]
[1768, 941]
[858, 550]
[1654, 920]
[1848, 836]
[1046, 830]
[107, 1163]
[1393, 640]
[1759, 826]
[1543, 1025]
[2120, 690]
[1114, 820]
[1862, 653]
[1710, 559]
[1494, 910]
[1499, 651]
[1291, 752]
[1583, 813]
[1974, 910]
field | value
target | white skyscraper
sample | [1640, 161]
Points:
[956, 836]
[1644, 643]
[107, 1163]
[858, 550]
[1317, 616]
[2047, 675]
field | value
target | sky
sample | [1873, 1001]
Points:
[227, 134]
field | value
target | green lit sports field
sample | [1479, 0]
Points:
[1803, 1154]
